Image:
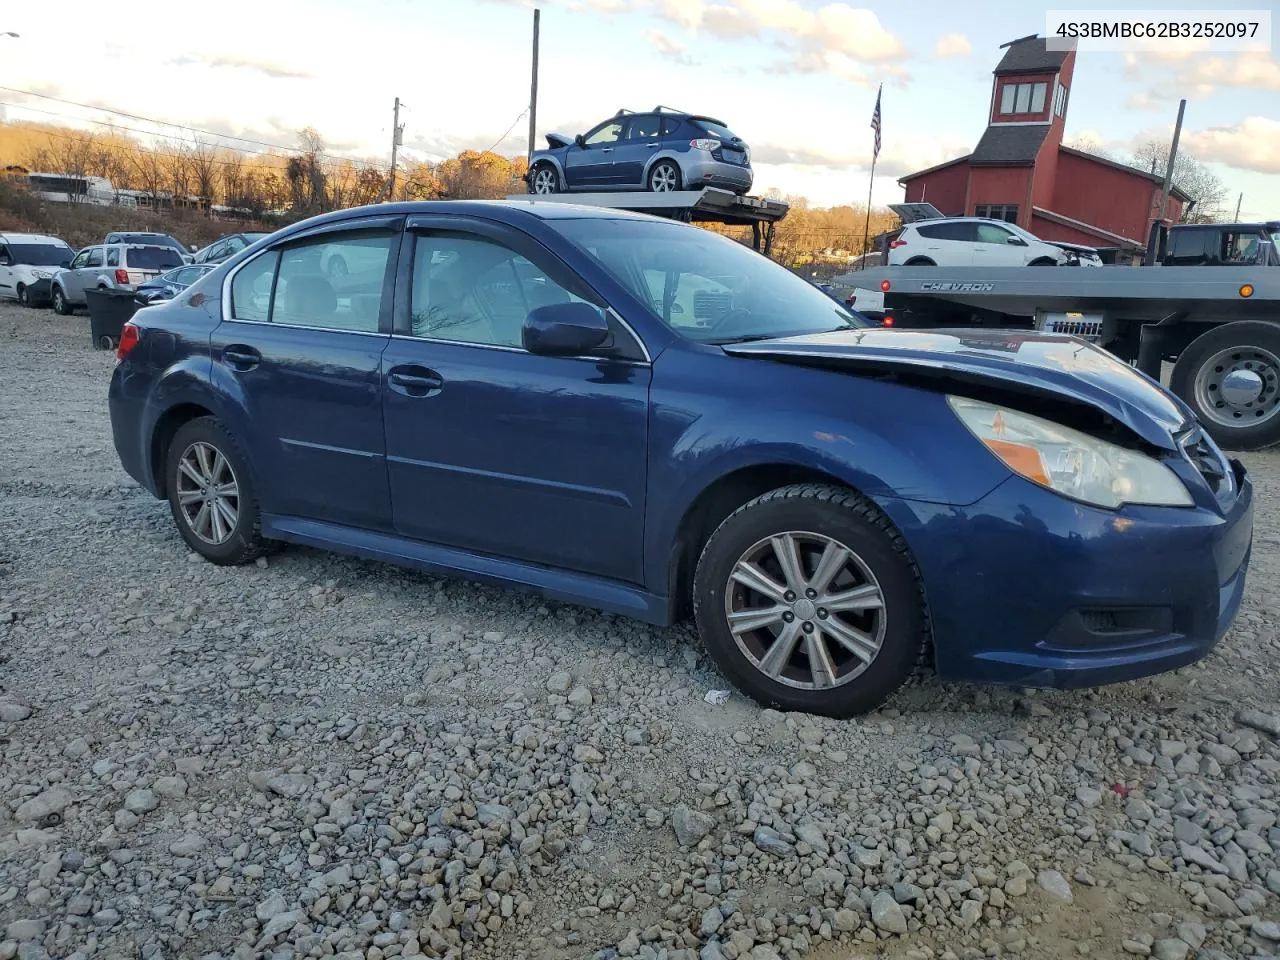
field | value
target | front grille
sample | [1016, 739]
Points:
[1210, 462]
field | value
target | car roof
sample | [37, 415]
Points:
[32, 238]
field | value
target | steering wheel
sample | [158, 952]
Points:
[738, 313]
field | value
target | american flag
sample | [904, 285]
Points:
[875, 121]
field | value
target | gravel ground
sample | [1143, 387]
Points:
[317, 756]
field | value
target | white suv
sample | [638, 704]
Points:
[972, 242]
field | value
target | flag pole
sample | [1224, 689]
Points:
[871, 182]
[866, 229]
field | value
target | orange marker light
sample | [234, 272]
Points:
[1020, 459]
[1246, 290]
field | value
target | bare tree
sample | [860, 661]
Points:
[202, 162]
[150, 173]
[1190, 176]
[70, 155]
[1087, 143]
[304, 172]
[232, 176]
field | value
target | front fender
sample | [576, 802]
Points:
[712, 416]
[551, 158]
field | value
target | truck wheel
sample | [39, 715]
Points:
[1230, 376]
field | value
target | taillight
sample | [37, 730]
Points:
[128, 340]
[896, 244]
[122, 276]
[704, 144]
[887, 320]
[884, 286]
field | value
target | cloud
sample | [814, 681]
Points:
[836, 38]
[1179, 74]
[229, 61]
[953, 45]
[669, 48]
[889, 164]
[1251, 144]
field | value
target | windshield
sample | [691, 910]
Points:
[39, 254]
[152, 239]
[704, 286]
[153, 258]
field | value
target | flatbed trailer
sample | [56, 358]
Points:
[708, 205]
[1219, 326]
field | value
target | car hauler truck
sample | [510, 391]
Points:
[1219, 325]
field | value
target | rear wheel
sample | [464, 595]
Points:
[920, 262]
[807, 599]
[60, 305]
[211, 493]
[544, 180]
[664, 177]
[1043, 262]
[1230, 377]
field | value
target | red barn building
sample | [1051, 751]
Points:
[1021, 172]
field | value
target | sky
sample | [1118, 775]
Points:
[796, 79]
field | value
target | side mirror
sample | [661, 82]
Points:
[194, 248]
[580, 140]
[1016, 242]
[565, 329]
[4, 262]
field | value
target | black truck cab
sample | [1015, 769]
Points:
[1222, 245]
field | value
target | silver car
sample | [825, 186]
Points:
[117, 266]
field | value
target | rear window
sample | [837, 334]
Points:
[40, 254]
[153, 258]
[164, 240]
[716, 130]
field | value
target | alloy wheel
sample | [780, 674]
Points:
[544, 181]
[208, 493]
[805, 610]
[663, 179]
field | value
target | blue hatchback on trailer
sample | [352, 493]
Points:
[648, 418]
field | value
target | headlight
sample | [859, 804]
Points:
[41, 274]
[1071, 463]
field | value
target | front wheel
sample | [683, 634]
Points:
[920, 262]
[544, 181]
[1043, 262]
[23, 299]
[664, 177]
[807, 599]
[60, 305]
[1230, 377]
[211, 493]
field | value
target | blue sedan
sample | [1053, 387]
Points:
[647, 418]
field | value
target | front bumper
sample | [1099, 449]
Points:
[1028, 588]
[698, 172]
[40, 291]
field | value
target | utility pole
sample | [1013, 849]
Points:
[533, 86]
[397, 137]
[1173, 156]
[1238, 202]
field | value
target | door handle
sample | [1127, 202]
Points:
[415, 381]
[606, 150]
[653, 144]
[241, 357]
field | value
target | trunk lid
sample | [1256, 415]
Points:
[1039, 363]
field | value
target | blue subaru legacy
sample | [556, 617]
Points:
[647, 418]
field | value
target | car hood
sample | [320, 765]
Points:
[1038, 363]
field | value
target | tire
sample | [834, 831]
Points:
[919, 262]
[23, 300]
[894, 638]
[1043, 262]
[233, 543]
[664, 177]
[1247, 352]
[60, 305]
[106, 342]
[543, 179]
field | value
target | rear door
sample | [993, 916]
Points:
[591, 165]
[303, 352]
[640, 141]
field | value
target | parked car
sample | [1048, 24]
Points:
[972, 242]
[168, 285]
[661, 150]
[28, 262]
[525, 406]
[224, 247]
[118, 266]
[152, 240]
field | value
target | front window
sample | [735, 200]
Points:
[607, 134]
[704, 286]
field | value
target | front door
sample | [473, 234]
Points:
[304, 350]
[499, 451]
[994, 249]
[83, 273]
[592, 163]
[8, 286]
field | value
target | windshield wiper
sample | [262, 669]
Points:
[749, 338]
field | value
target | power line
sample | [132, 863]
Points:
[161, 123]
[509, 129]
